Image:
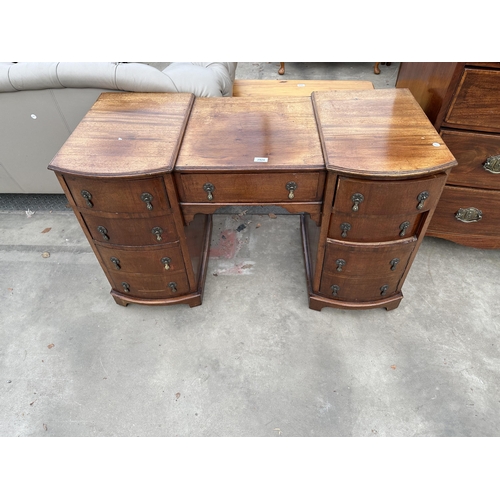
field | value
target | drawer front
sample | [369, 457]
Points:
[150, 286]
[132, 231]
[365, 197]
[457, 213]
[166, 260]
[348, 227]
[478, 157]
[141, 195]
[251, 188]
[477, 101]
[359, 289]
[368, 260]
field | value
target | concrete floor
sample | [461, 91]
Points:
[252, 360]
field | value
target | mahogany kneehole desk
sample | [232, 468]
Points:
[144, 172]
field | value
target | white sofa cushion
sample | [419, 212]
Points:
[211, 79]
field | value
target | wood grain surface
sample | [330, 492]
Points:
[270, 88]
[477, 101]
[126, 134]
[378, 133]
[429, 83]
[229, 134]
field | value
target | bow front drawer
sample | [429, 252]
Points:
[359, 289]
[150, 286]
[164, 259]
[141, 195]
[368, 259]
[366, 197]
[131, 231]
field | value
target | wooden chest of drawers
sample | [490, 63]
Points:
[365, 169]
[462, 100]
[116, 172]
[386, 172]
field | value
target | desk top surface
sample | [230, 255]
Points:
[365, 132]
[382, 132]
[126, 133]
[233, 134]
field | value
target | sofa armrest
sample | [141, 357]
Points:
[203, 79]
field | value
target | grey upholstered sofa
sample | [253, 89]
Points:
[42, 103]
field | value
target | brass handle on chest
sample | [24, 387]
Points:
[345, 226]
[87, 196]
[126, 287]
[104, 232]
[335, 290]
[157, 232]
[492, 164]
[357, 198]
[421, 199]
[116, 262]
[404, 226]
[469, 214]
[291, 187]
[209, 189]
[394, 263]
[173, 286]
[383, 290]
[166, 262]
[147, 199]
[340, 264]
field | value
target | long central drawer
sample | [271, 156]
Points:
[263, 187]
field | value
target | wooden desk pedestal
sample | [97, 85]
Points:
[364, 169]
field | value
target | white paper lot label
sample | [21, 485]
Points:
[260, 160]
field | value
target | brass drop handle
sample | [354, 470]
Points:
[291, 187]
[209, 189]
[421, 199]
[394, 263]
[87, 196]
[492, 164]
[469, 214]
[404, 226]
[166, 262]
[357, 198]
[173, 286]
[335, 290]
[340, 264]
[157, 232]
[383, 290]
[116, 262]
[147, 199]
[126, 287]
[345, 226]
[104, 232]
